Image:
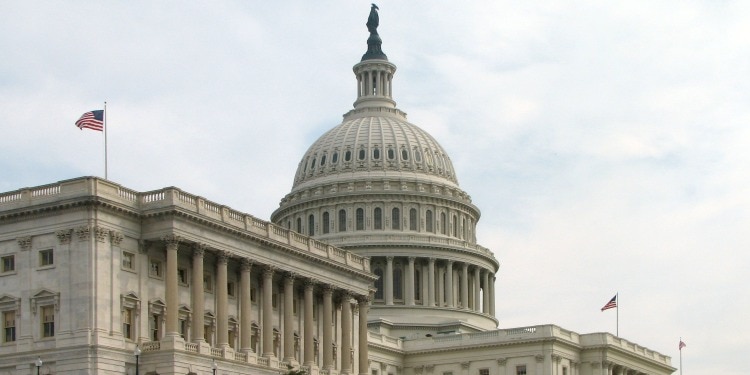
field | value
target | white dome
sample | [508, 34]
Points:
[374, 147]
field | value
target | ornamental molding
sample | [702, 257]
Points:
[44, 297]
[83, 232]
[100, 233]
[116, 237]
[24, 242]
[64, 236]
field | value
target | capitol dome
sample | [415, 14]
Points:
[385, 189]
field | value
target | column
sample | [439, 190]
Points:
[431, 282]
[245, 306]
[388, 280]
[327, 327]
[449, 283]
[222, 325]
[476, 306]
[172, 328]
[364, 355]
[346, 333]
[267, 328]
[309, 354]
[197, 293]
[410, 282]
[288, 317]
[492, 295]
[465, 286]
[486, 291]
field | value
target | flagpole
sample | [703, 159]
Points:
[105, 140]
[617, 328]
[680, 355]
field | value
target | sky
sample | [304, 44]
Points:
[606, 143]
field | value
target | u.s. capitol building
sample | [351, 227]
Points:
[369, 266]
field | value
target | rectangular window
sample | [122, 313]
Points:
[565, 371]
[153, 326]
[127, 324]
[521, 370]
[155, 268]
[208, 286]
[273, 301]
[9, 326]
[46, 258]
[230, 289]
[128, 260]
[8, 263]
[48, 321]
[484, 371]
[183, 328]
[182, 276]
[252, 294]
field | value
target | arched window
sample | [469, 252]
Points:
[335, 158]
[326, 223]
[413, 219]
[417, 156]
[299, 225]
[455, 226]
[312, 165]
[342, 220]
[348, 155]
[443, 223]
[360, 219]
[311, 225]
[404, 154]
[395, 218]
[378, 214]
[466, 229]
[398, 283]
[379, 282]
[376, 154]
[391, 154]
[323, 160]
[428, 220]
[361, 154]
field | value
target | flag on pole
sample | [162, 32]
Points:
[611, 304]
[93, 120]
[682, 345]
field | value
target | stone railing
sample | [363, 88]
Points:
[345, 238]
[172, 197]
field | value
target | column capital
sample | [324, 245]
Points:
[172, 240]
[310, 283]
[246, 264]
[411, 259]
[199, 249]
[268, 270]
[363, 299]
[539, 358]
[502, 361]
[389, 258]
[222, 257]
[328, 289]
[289, 277]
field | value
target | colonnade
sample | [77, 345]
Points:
[435, 282]
[172, 329]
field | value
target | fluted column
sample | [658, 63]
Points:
[465, 286]
[486, 291]
[492, 295]
[364, 355]
[410, 282]
[170, 281]
[431, 282]
[346, 333]
[268, 312]
[222, 325]
[197, 293]
[327, 327]
[389, 280]
[449, 283]
[288, 317]
[309, 352]
[245, 306]
[477, 283]
[440, 286]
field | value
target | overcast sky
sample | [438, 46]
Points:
[606, 143]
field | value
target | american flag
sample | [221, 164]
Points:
[93, 120]
[682, 345]
[611, 304]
